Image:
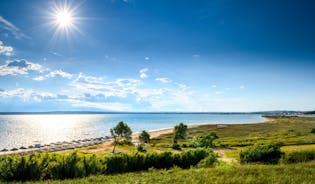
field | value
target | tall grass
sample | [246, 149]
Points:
[233, 174]
[299, 156]
[74, 165]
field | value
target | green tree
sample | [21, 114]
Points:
[180, 132]
[206, 141]
[121, 134]
[144, 137]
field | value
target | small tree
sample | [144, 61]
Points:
[144, 137]
[121, 134]
[206, 141]
[180, 132]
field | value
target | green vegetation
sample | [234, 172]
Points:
[234, 174]
[282, 130]
[289, 139]
[205, 141]
[144, 137]
[180, 132]
[261, 153]
[299, 156]
[62, 166]
[140, 148]
[121, 134]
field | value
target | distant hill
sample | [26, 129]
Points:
[310, 112]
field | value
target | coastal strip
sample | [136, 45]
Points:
[65, 146]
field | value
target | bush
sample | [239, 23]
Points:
[144, 137]
[176, 146]
[180, 132]
[205, 141]
[63, 166]
[261, 153]
[313, 131]
[299, 156]
[209, 161]
[140, 148]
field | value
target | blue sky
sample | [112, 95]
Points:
[131, 55]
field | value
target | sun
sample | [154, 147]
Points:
[63, 18]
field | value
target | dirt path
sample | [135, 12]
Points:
[223, 157]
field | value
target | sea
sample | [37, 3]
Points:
[18, 130]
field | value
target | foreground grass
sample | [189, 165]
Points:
[293, 173]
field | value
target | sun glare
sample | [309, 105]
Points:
[63, 18]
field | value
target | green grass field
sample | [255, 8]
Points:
[302, 173]
[284, 130]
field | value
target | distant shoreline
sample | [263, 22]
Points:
[92, 112]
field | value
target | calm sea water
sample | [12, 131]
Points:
[25, 130]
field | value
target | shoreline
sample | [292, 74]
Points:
[75, 144]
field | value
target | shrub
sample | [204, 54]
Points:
[176, 146]
[209, 161]
[144, 137]
[180, 132]
[140, 148]
[313, 131]
[261, 153]
[63, 166]
[299, 156]
[205, 141]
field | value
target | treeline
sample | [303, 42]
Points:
[74, 165]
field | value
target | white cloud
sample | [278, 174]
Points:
[52, 74]
[27, 94]
[218, 92]
[18, 67]
[104, 106]
[5, 50]
[147, 58]
[75, 101]
[98, 86]
[15, 92]
[39, 78]
[59, 73]
[163, 80]
[242, 87]
[15, 31]
[214, 86]
[143, 73]
[181, 86]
